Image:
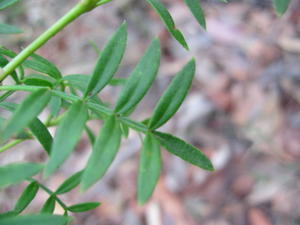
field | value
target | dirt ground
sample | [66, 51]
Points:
[243, 111]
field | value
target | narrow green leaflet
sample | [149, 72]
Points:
[27, 196]
[281, 6]
[17, 172]
[25, 113]
[67, 135]
[55, 105]
[82, 207]
[124, 129]
[149, 169]
[108, 61]
[40, 131]
[39, 80]
[40, 64]
[168, 21]
[78, 81]
[38, 219]
[173, 96]
[184, 150]
[6, 3]
[70, 183]
[9, 29]
[4, 62]
[8, 214]
[197, 11]
[104, 152]
[49, 206]
[140, 80]
[90, 134]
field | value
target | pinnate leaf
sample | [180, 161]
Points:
[67, 135]
[69, 183]
[184, 150]
[40, 64]
[49, 206]
[173, 96]
[38, 219]
[25, 113]
[6, 3]
[82, 207]
[108, 61]
[140, 80]
[17, 172]
[27, 196]
[149, 169]
[9, 29]
[197, 11]
[104, 151]
[168, 21]
[281, 6]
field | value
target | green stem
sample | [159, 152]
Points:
[11, 144]
[51, 193]
[74, 13]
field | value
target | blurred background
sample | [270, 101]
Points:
[243, 111]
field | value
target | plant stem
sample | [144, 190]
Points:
[74, 13]
[11, 144]
[51, 193]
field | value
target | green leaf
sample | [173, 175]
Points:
[38, 219]
[82, 207]
[173, 96]
[168, 21]
[17, 172]
[78, 81]
[67, 135]
[184, 150]
[70, 183]
[117, 81]
[90, 134]
[197, 11]
[4, 62]
[39, 80]
[124, 129]
[150, 167]
[27, 196]
[108, 62]
[9, 29]
[49, 206]
[140, 80]
[6, 3]
[8, 214]
[25, 113]
[104, 152]
[40, 131]
[281, 6]
[55, 105]
[42, 65]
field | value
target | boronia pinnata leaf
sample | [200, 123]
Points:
[67, 135]
[17, 172]
[49, 206]
[6, 3]
[27, 196]
[104, 151]
[197, 11]
[9, 29]
[173, 97]
[37, 219]
[70, 183]
[184, 150]
[25, 113]
[82, 207]
[140, 80]
[149, 169]
[168, 21]
[281, 6]
[108, 61]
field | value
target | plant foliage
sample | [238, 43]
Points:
[71, 100]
